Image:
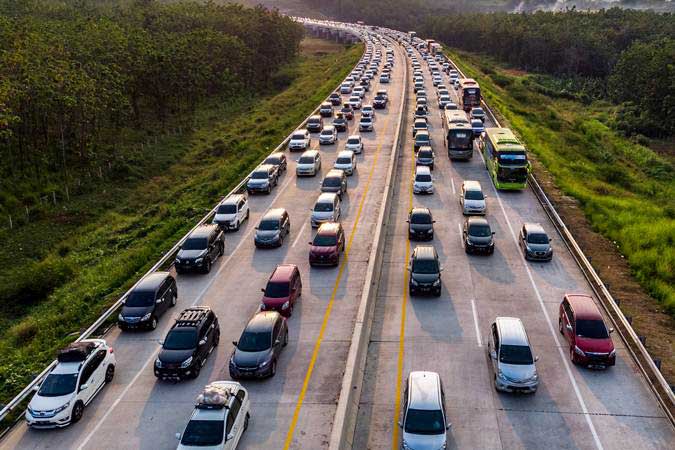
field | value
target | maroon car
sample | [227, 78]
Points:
[283, 290]
[581, 323]
[327, 244]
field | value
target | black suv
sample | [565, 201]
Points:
[478, 236]
[187, 345]
[420, 224]
[380, 102]
[314, 124]
[256, 353]
[326, 109]
[335, 99]
[277, 160]
[425, 271]
[200, 250]
[148, 300]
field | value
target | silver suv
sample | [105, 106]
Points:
[511, 356]
[424, 421]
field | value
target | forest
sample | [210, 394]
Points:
[76, 76]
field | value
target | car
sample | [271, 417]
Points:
[379, 102]
[309, 163]
[422, 101]
[478, 237]
[262, 179]
[425, 271]
[383, 93]
[335, 99]
[436, 80]
[418, 86]
[511, 358]
[314, 123]
[365, 83]
[421, 94]
[423, 183]
[421, 111]
[478, 113]
[327, 244]
[328, 135]
[420, 124]
[326, 109]
[368, 111]
[199, 251]
[581, 324]
[81, 371]
[354, 143]
[471, 198]
[346, 88]
[420, 224]
[348, 111]
[477, 127]
[283, 290]
[326, 209]
[359, 91]
[425, 157]
[346, 161]
[335, 181]
[259, 347]
[220, 418]
[422, 138]
[188, 344]
[232, 211]
[355, 101]
[273, 227]
[366, 123]
[278, 160]
[443, 101]
[300, 140]
[340, 122]
[147, 301]
[535, 243]
[441, 88]
[384, 78]
[423, 421]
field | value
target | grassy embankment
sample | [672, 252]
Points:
[102, 241]
[625, 190]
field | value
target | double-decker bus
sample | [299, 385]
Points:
[505, 158]
[469, 93]
[457, 134]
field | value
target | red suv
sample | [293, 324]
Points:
[283, 289]
[327, 244]
[581, 323]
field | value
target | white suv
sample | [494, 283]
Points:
[83, 369]
[219, 419]
[354, 143]
[232, 212]
[300, 140]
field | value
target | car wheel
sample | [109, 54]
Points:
[437, 293]
[285, 338]
[174, 297]
[274, 368]
[572, 357]
[248, 212]
[78, 410]
[233, 376]
[109, 373]
[153, 322]
[246, 419]
[281, 240]
[207, 266]
[196, 371]
[560, 328]
[236, 227]
[216, 339]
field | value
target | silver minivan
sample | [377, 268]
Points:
[326, 209]
[471, 198]
[424, 421]
[511, 356]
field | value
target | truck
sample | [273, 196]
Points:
[435, 48]
[411, 36]
[429, 43]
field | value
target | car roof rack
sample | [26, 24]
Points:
[76, 352]
[214, 397]
[192, 316]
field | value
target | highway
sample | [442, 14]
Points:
[574, 408]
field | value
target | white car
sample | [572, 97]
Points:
[300, 140]
[366, 123]
[346, 160]
[354, 143]
[308, 164]
[326, 209]
[82, 370]
[219, 419]
[328, 135]
[346, 88]
[472, 199]
[423, 183]
[355, 101]
[443, 101]
[232, 212]
[368, 111]
[437, 80]
[359, 90]
[384, 78]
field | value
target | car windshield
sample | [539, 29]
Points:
[139, 299]
[425, 266]
[183, 338]
[515, 354]
[254, 341]
[473, 195]
[314, 121]
[344, 160]
[195, 243]
[353, 141]
[268, 225]
[276, 290]
[274, 160]
[594, 329]
[325, 240]
[480, 230]
[422, 137]
[332, 181]
[421, 125]
[227, 209]
[298, 137]
[425, 154]
[420, 218]
[306, 160]
[260, 175]
[423, 177]
[203, 433]
[537, 238]
[327, 132]
[514, 158]
[477, 112]
[423, 421]
[379, 98]
[365, 120]
[56, 385]
[323, 207]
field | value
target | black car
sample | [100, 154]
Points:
[425, 157]
[335, 99]
[420, 224]
[478, 236]
[326, 109]
[147, 301]
[425, 271]
[535, 242]
[277, 160]
[189, 342]
[340, 122]
[274, 226]
[380, 102]
[258, 349]
[200, 250]
[314, 124]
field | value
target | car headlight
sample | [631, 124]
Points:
[286, 305]
[120, 317]
[414, 282]
[146, 317]
[265, 363]
[62, 408]
[406, 446]
[579, 351]
[612, 353]
[199, 260]
[158, 363]
[527, 247]
[185, 364]
[437, 282]
[501, 375]
[177, 261]
[431, 230]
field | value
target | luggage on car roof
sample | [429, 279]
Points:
[76, 352]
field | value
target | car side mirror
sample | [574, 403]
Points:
[202, 342]
[158, 301]
[178, 436]
[235, 343]
[161, 343]
[277, 342]
[230, 436]
[611, 330]
[568, 327]
[493, 233]
[262, 290]
[400, 424]
[433, 221]
[407, 221]
[493, 354]
[84, 386]
[550, 239]
[447, 427]
[36, 387]
[536, 358]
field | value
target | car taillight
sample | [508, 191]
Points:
[110, 350]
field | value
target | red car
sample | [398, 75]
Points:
[581, 323]
[284, 288]
[327, 244]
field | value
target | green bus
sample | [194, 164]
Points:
[505, 158]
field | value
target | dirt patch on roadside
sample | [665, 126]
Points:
[649, 319]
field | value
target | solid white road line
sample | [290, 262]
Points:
[300, 233]
[475, 323]
[452, 182]
[461, 237]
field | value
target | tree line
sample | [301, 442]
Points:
[74, 73]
